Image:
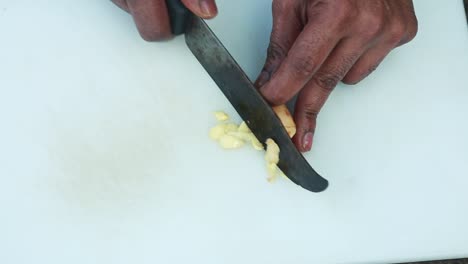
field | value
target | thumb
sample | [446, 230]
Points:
[202, 8]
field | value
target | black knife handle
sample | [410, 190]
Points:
[179, 15]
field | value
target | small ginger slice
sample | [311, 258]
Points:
[221, 129]
[272, 159]
[217, 132]
[230, 127]
[230, 142]
[244, 128]
[272, 170]
[285, 116]
[256, 144]
[247, 137]
[272, 151]
[221, 116]
[232, 136]
[241, 135]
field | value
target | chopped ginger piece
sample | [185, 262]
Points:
[230, 142]
[221, 116]
[232, 136]
[226, 127]
[248, 137]
[229, 127]
[272, 170]
[256, 144]
[220, 130]
[272, 152]
[244, 128]
[217, 132]
[272, 159]
[241, 135]
[285, 116]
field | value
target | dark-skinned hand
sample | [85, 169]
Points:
[152, 19]
[315, 44]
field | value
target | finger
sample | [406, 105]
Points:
[367, 64]
[314, 95]
[286, 28]
[400, 30]
[151, 18]
[122, 4]
[307, 54]
[408, 17]
[202, 8]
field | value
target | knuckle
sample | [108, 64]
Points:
[310, 112]
[327, 81]
[275, 51]
[274, 96]
[397, 32]
[280, 5]
[413, 28]
[277, 99]
[371, 25]
[344, 10]
[303, 66]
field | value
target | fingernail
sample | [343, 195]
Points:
[205, 8]
[307, 141]
[262, 79]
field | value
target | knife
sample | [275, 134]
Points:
[465, 2]
[241, 93]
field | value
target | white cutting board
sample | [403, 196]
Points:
[104, 154]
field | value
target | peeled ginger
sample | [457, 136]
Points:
[230, 142]
[232, 136]
[221, 116]
[272, 159]
[286, 118]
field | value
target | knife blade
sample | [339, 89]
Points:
[242, 94]
[465, 2]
